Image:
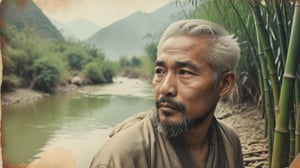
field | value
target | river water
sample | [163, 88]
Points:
[78, 123]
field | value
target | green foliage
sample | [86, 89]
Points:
[10, 82]
[18, 56]
[135, 62]
[151, 50]
[48, 71]
[124, 62]
[136, 67]
[94, 72]
[30, 61]
[109, 70]
[100, 72]
[29, 17]
[75, 59]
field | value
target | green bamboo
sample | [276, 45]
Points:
[286, 94]
[292, 134]
[267, 99]
[297, 109]
[281, 30]
[268, 53]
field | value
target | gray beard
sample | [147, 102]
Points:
[173, 130]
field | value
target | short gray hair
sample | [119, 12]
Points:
[224, 51]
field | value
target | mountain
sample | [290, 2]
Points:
[128, 36]
[125, 37]
[78, 29]
[25, 15]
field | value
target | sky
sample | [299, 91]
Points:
[101, 12]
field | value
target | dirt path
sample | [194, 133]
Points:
[248, 122]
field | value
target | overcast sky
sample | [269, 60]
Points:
[101, 12]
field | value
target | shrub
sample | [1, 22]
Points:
[75, 60]
[100, 71]
[48, 72]
[94, 72]
[10, 82]
[109, 70]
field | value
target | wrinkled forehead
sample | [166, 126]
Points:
[183, 48]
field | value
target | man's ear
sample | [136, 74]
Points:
[226, 83]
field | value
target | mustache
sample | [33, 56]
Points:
[175, 105]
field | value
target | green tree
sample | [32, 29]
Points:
[94, 73]
[48, 72]
[151, 51]
[124, 62]
[76, 60]
[135, 62]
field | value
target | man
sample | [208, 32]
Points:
[194, 67]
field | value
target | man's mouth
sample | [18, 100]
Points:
[169, 106]
[167, 109]
[166, 105]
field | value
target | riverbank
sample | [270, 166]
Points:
[23, 95]
[20, 96]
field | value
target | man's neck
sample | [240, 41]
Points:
[197, 140]
[197, 136]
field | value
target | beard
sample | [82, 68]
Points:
[176, 129]
[172, 130]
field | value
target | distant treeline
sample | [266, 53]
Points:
[33, 62]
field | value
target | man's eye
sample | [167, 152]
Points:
[184, 72]
[158, 71]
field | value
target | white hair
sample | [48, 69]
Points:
[224, 51]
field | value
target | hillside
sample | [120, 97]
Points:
[79, 29]
[128, 36]
[125, 37]
[25, 15]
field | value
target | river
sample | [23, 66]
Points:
[78, 123]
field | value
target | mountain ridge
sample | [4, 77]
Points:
[25, 15]
[129, 35]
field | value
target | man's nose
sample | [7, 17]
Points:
[169, 85]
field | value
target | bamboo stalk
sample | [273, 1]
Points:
[268, 53]
[281, 130]
[267, 97]
[292, 134]
[281, 30]
[297, 109]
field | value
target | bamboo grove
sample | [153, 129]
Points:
[269, 70]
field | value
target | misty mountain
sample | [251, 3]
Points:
[26, 16]
[128, 36]
[80, 29]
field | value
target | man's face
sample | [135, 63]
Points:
[183, 76]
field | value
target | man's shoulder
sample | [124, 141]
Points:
[133, 133]
[232, 144]
[133, 122]
[228, 131]
[128, 141]
[228, 128]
